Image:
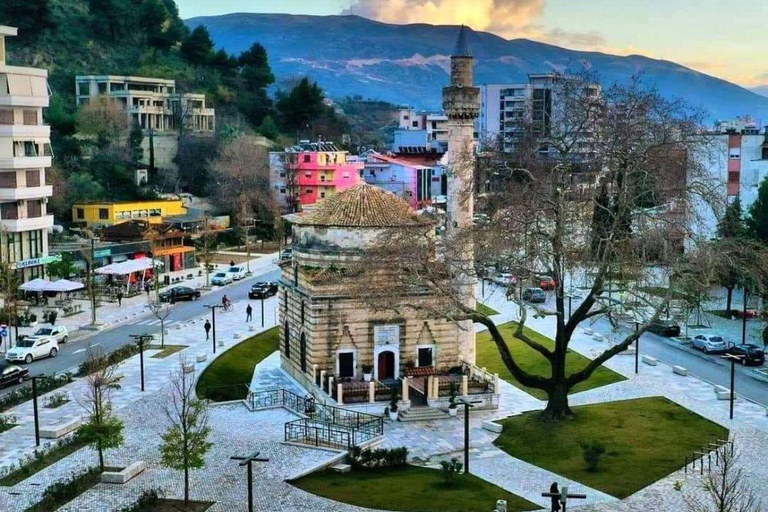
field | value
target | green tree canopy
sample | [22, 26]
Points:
[302, 105]
[197, 49]
[61, 269]
[255, 67]
[757, 220]
[732, 223]
[29, 16]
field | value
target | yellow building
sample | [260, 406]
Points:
[100, 214]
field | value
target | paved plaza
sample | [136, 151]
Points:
[238, 431]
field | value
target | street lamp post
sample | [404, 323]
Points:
[744, 319]
[637, 347]
[213, 308]
[262, 310]
[467, 405]
[248, 461]
[34, 408]
[140, 339]
[733, 358]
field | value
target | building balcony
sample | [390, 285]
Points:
[24, 101]
[16, 194]
[29, 224]
[25, 162]
[21, 130]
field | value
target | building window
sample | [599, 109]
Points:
[303, 352]
[30, 118]
[9, 211]
[346, 364]
[322, 195]
[425, 356]
[7, 180]
[104, 213]
[6, 116]
[302, 312]
[80, 213]
[309, 191]
[33, 178]
[307, 159]
[13, 245]
[287, 340]
[282, 191]
[415, 124]
[34, 209]
[35, 243]
[155, 212]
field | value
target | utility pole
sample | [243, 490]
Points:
[213, 308]
[140, 339]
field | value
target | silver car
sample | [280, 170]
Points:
[709, 343]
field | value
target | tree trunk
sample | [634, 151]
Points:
[101, 457]
[557, 403]
[728, 301]
[186, 485]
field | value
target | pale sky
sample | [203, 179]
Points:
[725, 38]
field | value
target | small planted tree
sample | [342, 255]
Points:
[103, 429]
[726, 488]
[161, 311]
[185, 443]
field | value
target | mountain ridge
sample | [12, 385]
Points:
[407, 64]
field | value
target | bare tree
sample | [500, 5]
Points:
[242, 176]
[161, 311]
[606, 188]
[103, 118]
[726, 488]
[185, 443]
[104, 429]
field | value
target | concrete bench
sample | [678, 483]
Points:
[236, 336]
[201, 358]
[58, 430]
[680, 370]
[650, 361]
[189, 368]
[491, 426]
[725, 395]
[589, 332]
[252, 328]
[341, 468]
[597, 337]
[123, 476]
[721, 389]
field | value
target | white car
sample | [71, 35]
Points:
[29, 349]
[505, 279]
[709, 343]
[237, 272]
[59, 332]
[221, 278]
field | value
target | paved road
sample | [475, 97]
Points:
[73, 353]
[711, 368]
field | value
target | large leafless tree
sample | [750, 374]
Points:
[604, 188]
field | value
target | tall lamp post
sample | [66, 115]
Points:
[744, 319]
[637, 346]
[213, 308]
[34, 408]
[140, 339]
[733, 358]
[467, 405]
[248, 461]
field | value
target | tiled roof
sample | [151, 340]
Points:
[363, 205]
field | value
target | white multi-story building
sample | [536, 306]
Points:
[25, 154]
[153, 103]
[420, 132]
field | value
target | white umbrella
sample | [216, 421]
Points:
[64, 285]
[36, 285]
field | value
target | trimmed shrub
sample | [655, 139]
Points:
[378, 458]
[592, 452]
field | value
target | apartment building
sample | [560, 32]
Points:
[420, 132]
[419, 184]
[311, 171]
[153, 103]
[25, 154]
[508, 110]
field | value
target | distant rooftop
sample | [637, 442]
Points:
[306, 146]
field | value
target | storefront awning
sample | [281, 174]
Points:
[43, 285]
[129, 267]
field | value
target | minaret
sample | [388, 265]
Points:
[461, 103]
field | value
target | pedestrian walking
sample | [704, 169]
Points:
[248, 313]
[207, 327]
[119, 298]
[232, 263]
[146, 287]
[555, 500]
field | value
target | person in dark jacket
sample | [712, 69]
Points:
[119, 298]
[207, 327]
[248, 313]
[555, 499]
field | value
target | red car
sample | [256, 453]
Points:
[547, 283]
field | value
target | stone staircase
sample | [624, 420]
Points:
[422, 414]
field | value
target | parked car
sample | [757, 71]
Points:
[262, 290]
[29, 349]
[505, 279]
[237, 272]
[665, 327]
[752, 354]
[709, 343]
[547, 283]
[287, 254]
[221, 278]
[59, 332]
[179, 293]
[534, 295]
[12, 374]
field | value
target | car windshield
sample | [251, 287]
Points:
[25, 343]
[220, 274]
[43, 332]
[234, 269]
[716, 339]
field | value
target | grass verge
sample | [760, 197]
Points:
[166, 351]
[235, 366]
[485, 310]
[533, 362]
[40, 460]
[59, 494]
[410, 489]
[645, 440]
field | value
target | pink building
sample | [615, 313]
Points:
[307, 173]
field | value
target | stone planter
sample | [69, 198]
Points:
[393, 415]
[367, 377]
[124, 475]
[453, 411]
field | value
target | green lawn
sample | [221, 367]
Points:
[236, 365]
[533, 362]
[485, 310]
[410, 489]
[645, 439]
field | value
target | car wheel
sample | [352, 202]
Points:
[28, 359]
[54, 352]
[705, 349]
[65, 339]
[21, 379]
